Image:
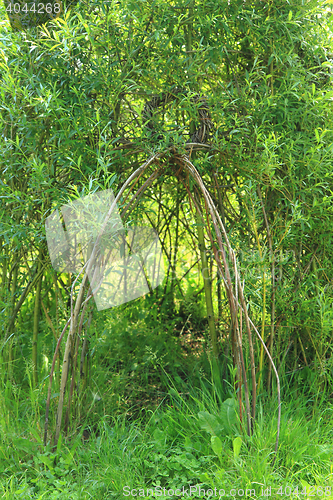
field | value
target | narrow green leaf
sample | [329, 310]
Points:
[216, 445]
[317, 135]
[228, 415]
[36, 435]
[188, 444]
[59, 445]
[236, 444]
[69, 458]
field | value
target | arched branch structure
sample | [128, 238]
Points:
[227, 266]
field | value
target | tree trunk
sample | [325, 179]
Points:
[36, 322]
[207, 287]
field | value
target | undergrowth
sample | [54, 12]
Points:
[159, 420]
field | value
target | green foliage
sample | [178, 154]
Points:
[226, 422]
[75, 91]
[236, 444]
[74, 118]
[168, 448]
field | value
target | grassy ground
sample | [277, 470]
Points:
[179, 445]
[154, 420]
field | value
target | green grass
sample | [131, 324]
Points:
[167, 448]
[161, 420]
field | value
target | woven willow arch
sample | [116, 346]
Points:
[225, 259]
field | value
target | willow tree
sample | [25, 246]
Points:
[240, 88]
